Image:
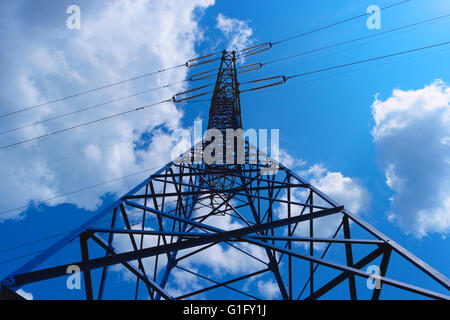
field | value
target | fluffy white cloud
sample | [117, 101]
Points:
[237, 32]
[268, 289]
[411, 133]
[119, 40]
[345, 190]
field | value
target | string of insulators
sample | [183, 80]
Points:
[178, 97]
[265, 79]
[174, 99]
[198, 61]
[202, 75]
[250, 67]
[192, 90]
[202, 57]
[256, 49]
[283, 80]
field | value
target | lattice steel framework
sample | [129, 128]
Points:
[225, 111]
[279, 227]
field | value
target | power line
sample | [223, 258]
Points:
[85, 92]
[101, 146]
[194, 63]
[22, 256]
[31, 253]
[34, 242]
[84, 124]
[353, 40]
[343, 73]
[60, 234]
[77, 191]
[278, 80]
[173, 99]
[193, 78]
[334, 53]
[189, 64]
[90, 107]
[336, 23]
[29, 243]
[250, 51]
[368, 60]
[252, 89]
[66, 232]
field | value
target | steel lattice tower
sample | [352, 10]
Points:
[274, 220]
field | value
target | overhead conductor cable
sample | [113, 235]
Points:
[190, 63]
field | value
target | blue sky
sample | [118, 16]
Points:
[380, 129]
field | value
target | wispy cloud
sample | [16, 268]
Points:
[238, 34]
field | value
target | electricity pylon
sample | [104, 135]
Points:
[286, 231]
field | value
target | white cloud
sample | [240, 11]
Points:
[122, 39]
[184, 282]
[289, 161]
[268, 289]
[345, 190]
[411, 133]
[237, 32]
